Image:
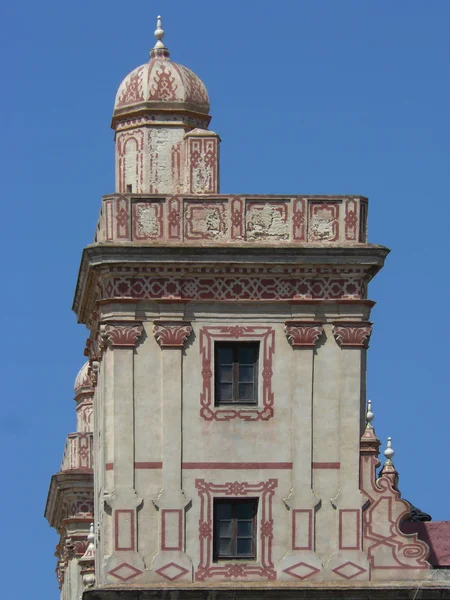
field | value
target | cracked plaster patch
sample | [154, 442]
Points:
[266, 222]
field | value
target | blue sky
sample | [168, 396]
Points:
[317, 96]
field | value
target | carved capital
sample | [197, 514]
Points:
[122, 335]
[172, 335]
[352, 335]
[303, 334]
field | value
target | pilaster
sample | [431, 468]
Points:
[172, 563]
[349, 561]
[125, 562]
[302, 563]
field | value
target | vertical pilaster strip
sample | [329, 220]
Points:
[353, 339]
[172, 561]
[302, 562]
[125, 561]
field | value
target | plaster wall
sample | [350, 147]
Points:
[258, 445]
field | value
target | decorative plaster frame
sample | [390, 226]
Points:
[208, 335]
[264, 566]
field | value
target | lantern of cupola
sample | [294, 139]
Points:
[161, 118]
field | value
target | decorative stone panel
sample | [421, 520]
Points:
[216, 219]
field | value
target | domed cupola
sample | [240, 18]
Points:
[161, 118]
[161, 85]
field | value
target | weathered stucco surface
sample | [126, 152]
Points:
[175, 268]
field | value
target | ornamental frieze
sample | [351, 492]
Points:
[233, 285]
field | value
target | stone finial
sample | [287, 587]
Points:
[388, 470]
[389, 452]
[159, 50]
[369, 415]
[159, 34]
[370, 444]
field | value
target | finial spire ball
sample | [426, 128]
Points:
[389, 452]
[369, 414]
[159, 33]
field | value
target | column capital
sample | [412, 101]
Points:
[122, 335]
[350, 334]
[172, 334]
[303, 334]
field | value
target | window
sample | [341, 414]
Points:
[236, 372]
[235, 528]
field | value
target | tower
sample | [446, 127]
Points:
[227, 357]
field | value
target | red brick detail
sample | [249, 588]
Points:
[134, 139]
[207, 220]
[148, 221]
[352, 334]
[363, 222]
[264, 569]
[172, 571]
[122, 336]
[349, 520]
[232, 283]
[326, 465]
[323, 222]
[203, 165]
[299, 220]
[237, 219]
[351, 220]
[109, 226]
[237, 465]
[133, 91]
[164, 515]
[124, 518]
[172, 335]
[236, 332]
[174, 218]
[382, 537]
[304, 334]
[309, 513]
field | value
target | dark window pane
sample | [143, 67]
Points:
[225, 355]
[223, 510]
[226, 392]
[224, 547]
[246, 391]
[225, 374]
[246, 373]
[245, 528]
[225, 529]
[247, 354]
[245, 510]
[244, 547]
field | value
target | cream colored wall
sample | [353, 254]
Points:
[232, 441]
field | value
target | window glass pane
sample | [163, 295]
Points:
[246, 373]
[245, 528]
[225, 392]
[244, 547]
[245, 510]
[225, 529]
[223, 510]
[246, 391]
[225, 374]
[225, 355]
[224, 547]
[247, 354]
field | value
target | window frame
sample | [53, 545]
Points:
[235, 345]
[234, 556]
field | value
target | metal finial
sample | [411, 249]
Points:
[389, 452]
[159, 34]
[369, 415]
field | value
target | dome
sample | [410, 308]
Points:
[83, 380]
[161, 84]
